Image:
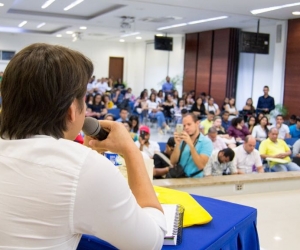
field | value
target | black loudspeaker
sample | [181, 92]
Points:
[163, 43]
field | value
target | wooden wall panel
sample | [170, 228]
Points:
[205, 43]
[220, 65]
[190, 62]
[292, 68]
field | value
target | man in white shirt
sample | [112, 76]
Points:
[217, 142]
[283, 130]
[53, 190]
[220, 163]
[144, 143]
[101, 86]
[247, 159]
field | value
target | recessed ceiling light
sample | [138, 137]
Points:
[58, 35]
[73, 35]
[131, 34]
[69, 32]
[1, 4]
[72, 5]
[83, 28]
[172, 26]
[277, 238]
[47, 3]
[296, 13]
[138, 37]
[208, 20]
[159, 34]
[122, 40]
[40, 25]
[263, 10]
[22, 24]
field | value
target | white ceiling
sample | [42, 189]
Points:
[103, 17]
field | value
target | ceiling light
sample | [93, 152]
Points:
[72, 5]
[208, 20]
[277, 238]
[22, 24]
[122, 40]
[69, 32]
[296, 13]
[82, 28]
[40, 25]
[172, 26]
[259, 11]
[73, 35]
[47, 3]
[131, 34]
[159, 34]
[1, 4]
[58, 35]
[138, 37]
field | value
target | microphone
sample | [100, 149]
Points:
[91, 127]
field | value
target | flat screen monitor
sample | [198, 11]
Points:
[163, 43]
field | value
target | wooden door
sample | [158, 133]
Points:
[116, 66]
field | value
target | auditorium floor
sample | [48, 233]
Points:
[278, 217]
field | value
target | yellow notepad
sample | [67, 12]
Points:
[194, 213]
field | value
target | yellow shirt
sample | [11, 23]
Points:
[267, 147]
[206, 125]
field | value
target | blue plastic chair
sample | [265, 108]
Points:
[115, 112]
[162, 146]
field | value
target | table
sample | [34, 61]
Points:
[233, 227]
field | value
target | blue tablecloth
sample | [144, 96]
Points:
[233, 227]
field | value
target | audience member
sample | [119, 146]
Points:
[291, 121]
[230, 107]
[145, 144]
[212, 106]
[225, 122]
[134, 119]
[251, 123]
[208, 122]
[167, 87]
[176, 97]
[129, 95]
[283, 130]
[162, 163]
[247, 159]
[47, 204]
[198, 108]
[220, 163]
[90, 86]
[228, 140]
[128, 126]
[260, 131]
[278, 151]
[97, 110]
[101, 86]
[117, 97]
[295, 129]
[177, 111]
[226, 101]
[296, 149]
[140, 105]
[160, 97]
[189, 100]
[107, 101]
[218, 143]
[191, 147]
[238, 130]
[168, 106]
[123, 115]
[249, 109]
[119, 84]
[265, 103]
[259, 116]
[109, 117]
[203, 96]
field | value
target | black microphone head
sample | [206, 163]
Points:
[91, 127]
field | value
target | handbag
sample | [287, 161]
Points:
[177, 171]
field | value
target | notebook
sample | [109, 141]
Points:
[174, 217]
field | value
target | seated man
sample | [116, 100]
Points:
[295, 129]
[162, 164]
[283, 130]
[123, 115]
[208, 122]
[117, 97]
[278, 151]
[192, 149]
[217, 142]
[144, 143]
[220, 163]
[225, 120]
[247, 159]
[296, 149]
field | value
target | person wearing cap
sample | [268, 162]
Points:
[144, 144]
[161, 166]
